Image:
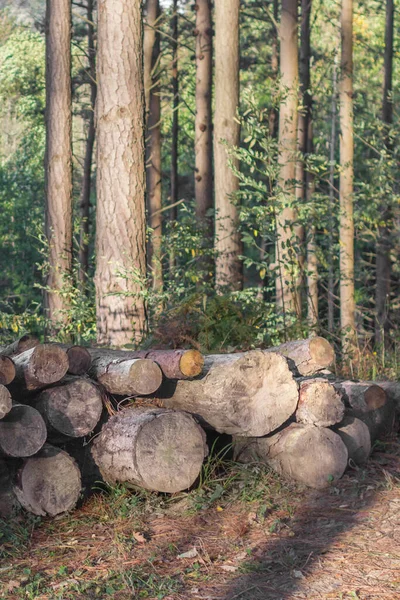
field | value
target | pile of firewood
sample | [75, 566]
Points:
[140, 417]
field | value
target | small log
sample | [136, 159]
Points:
[392, 389]
[247, 394]
[72, 409]
[314, 456]
[5, 401]
[156, 449]
[7, 370]
[125, 377]
[48, 483]
[309, 356]
[22, 432]
[319, 403]
[26, 342]
[8, 501]
[79, 359]
[40, 366]
[356, 437]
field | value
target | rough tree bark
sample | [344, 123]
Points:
[84, 201]
[346, 228]
[308, 356]
[120, 224]
[356, 437]
[157, 449]
[228, 266]
[383, 246]
[125, 376]
[58, 156]
[287, 245]
[26, 342]
[38, 367]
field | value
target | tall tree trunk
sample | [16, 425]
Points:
[332, 145]
[287, 278]
[228, 268]
[58, 158]
[203, 132]
[87, 165]
[312, 259]
[120, 226]
[346, 233]
[175, 127]
[149, 39]
[153, 171]
[383, 246]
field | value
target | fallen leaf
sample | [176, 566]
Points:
[229, 568]
[139, 537]
[189, 554]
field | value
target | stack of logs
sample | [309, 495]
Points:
[143, 416]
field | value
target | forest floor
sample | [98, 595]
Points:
[244, 534]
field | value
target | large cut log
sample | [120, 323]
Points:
[22, 432]
[370, 403]
[40, 366]
[8, 500]
[392, 389]
[125, 377]
[48, 483]
[26, 342]
[249, 394]
[175, 364]
[157, 449]
[309, 356]
[72, 409]
[79, 359]
[5, 401]
[319, 403]
[7, 370]
[356, 437]
[311, 455]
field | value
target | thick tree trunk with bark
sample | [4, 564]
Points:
[58, 156]
[228, 267]
[314, 456]
[309, 356]
[120, 228]
[5, 401]
[84, 202]
[72, 409]
[251, 394]
[40, 366]
[356, 437]
[22, 432]
[287, 245]
[203, 132]
[7, 370]
[346, 233]
[26, 342]
[152, 448]
[125, 376]
[49, 483]
[319, 403]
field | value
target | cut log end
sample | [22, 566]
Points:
[22, 431]
[321, 352]
[191, 363]
[26, 342]
[7, 370]
[375, 397]
[356, 437]
[49, 483]
[146, 376]
[48, 364]
[319, 403]
[79, 360]
[5, 401]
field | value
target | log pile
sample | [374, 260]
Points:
[140, 417]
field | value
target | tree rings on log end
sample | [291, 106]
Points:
[7, 370]
[191, 363]
[375, 397]
[79, 360]
[22, 431]
[5, 401]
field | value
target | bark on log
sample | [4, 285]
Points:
[8, 500]
[356, 437]
[72, 409]
[26, 342]
[40, 366]
[7, 370]
[157, 449]
[125, 376]
[22, 432]
[310, 355]
[79, 359]
[311, 455]
[48, 483]
[250, 394]
[175, 364]
[392, 389]
[5, 401]
[319, 403]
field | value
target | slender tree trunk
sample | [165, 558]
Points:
[332, 163]
[149, 39]
[203, 132]
[312, 259]
[346, 233]
[58, 158]
[87, 165]
[120, 227]
[228, 268]
[153, 171]
[383, 246]
[175, 127]
[287, 288]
